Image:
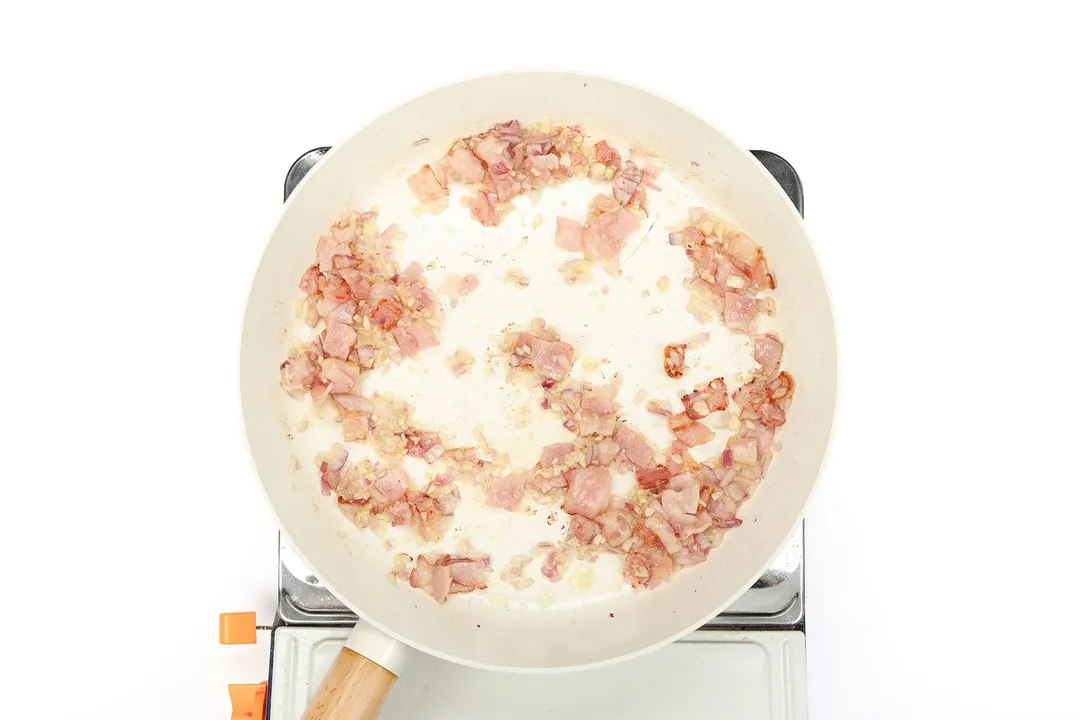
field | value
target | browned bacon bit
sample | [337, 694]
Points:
[387, 313]
[772, 415]
[706, 399]
[608, 156]
[781, 387]
[655, 479]
[675, 360]
[716, 394]
[696, 404]
[679, 421]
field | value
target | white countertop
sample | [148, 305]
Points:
[144, 152]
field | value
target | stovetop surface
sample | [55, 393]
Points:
[776, 600]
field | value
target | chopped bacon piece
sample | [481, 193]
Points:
[716, 394]
[554, 454]
[393, 485]
[359, 285]
[608, 155]
[502, 185]
[440, 583]
[342, 313]
[319, 389]
[420, 577]
[554, 565]
[297, 373]
[425, 186]
[341, 377]
[552, 359]
[482, 209]
[568, 234]
[772, 415]
[356, 426]
[590, 423]
[740, 311]
[682, 497]
[544, 484]
[752, 395]
[781, 387]
[637, 569]
[381, 290]
[603, 452]
[333, 287]
[387, 313]
[675, 360]
[465, 166]
[744, 450]
[329, 247]
[413, 337]
[338, 339]
[470, 572]
[745, 254]
[663, 530]
[626, 184]
[443, 575]
[506, 492]
[696, 404]
[636, 449]
[325, 306]
[538, 168]
[492, 150]
[654, 479]
[678, 422]
[309, 282]
[447, 502]
[583, 529]
[411, 273]
[694, 434]
[768, 351]
[599, 400]
[589, 492]
[605, 234]
[616, 526]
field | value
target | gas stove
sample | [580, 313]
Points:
[747, 662]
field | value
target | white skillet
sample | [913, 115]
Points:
[588, 619]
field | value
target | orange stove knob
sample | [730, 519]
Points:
[248, 701]
[236, 628]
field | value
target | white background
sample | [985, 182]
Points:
[144, 147]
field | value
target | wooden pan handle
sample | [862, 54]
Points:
[354, 689]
